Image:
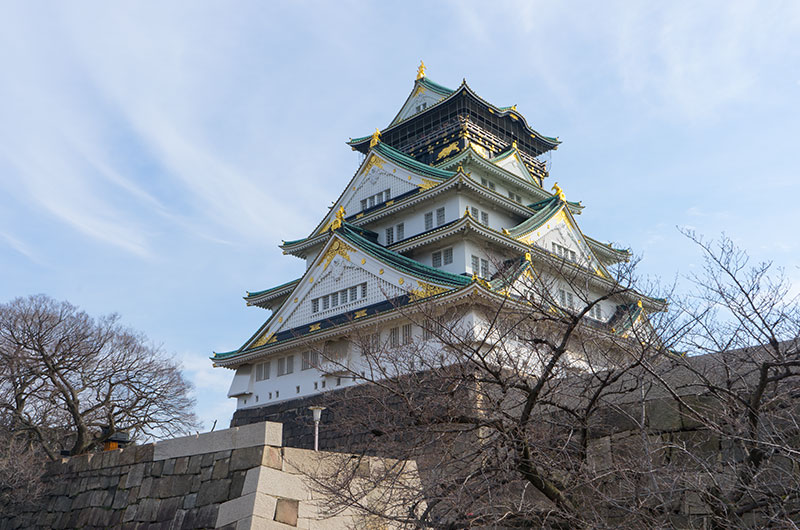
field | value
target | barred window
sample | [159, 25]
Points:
[440, 216]
[428, 220]
[290, 364]
[390, 235]
[436, 259]
[485, 218]
[310, 360]
[484, 268]
[394, 337]
[476, 265]
[400, 232]
[262, 371]
[407, 331]
[281, 366]
[447, 256]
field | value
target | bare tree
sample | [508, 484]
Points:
[521, 411]
[69, 382]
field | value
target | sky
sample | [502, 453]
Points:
[153, 154]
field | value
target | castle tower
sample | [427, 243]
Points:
[448, 204]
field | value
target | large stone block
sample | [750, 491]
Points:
[148, 508]
[273, 482]
[257, 434]
[213, 491]
[221, 468]
[245, 507]
[286, 511]
[246, 458]
[135, 476]
[167, 509]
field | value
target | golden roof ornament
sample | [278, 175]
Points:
[466, 212]
[514, 144]
[376, 137]
[421, 70]
[558, 191]
[337, 223]
[514, 107]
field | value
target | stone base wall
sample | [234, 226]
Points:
[237, 479]
[298, 424]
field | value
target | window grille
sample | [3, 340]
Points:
[428, 220]
[436, 259]
[440, 216]
[281, 366]
[394, 337]
[485, 218]
[447, 256]
[476, 265]
[400, 231]
[407, 330]
[262, 371]
[485, 268]
[390, 235]
[290, 364]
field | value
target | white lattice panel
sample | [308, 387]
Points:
[375, 181]
[340, 274]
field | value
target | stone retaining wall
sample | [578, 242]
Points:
[239, 478]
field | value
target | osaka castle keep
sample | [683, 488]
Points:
[450, 207]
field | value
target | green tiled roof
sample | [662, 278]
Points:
[544, 210]
[399, 261]
[436, 87]
[265, 291]
[410, 163]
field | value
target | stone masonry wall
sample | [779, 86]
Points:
[239, 478]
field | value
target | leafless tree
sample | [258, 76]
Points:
[533, 415]
[69, 382]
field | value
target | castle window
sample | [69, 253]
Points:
[262, 371]
[429, 221]
[476, 265]
[286, 365]
[310, 360]
[563, 252]
[484, 268]
[390, 235]
[407, 329]
[480, 216]
[488, 183]
[394, 337]
[363, 204]
[442, 257]
[400, 231]
[514, 197]
[566, 299]
[338, 298]
[596, 312]
[440, 216]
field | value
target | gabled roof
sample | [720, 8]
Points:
[353, 239]
[420, 85]
[401, 262]
[546, 143]
[383, 151]
[469, 155]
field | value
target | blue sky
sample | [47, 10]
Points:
[154, 154]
